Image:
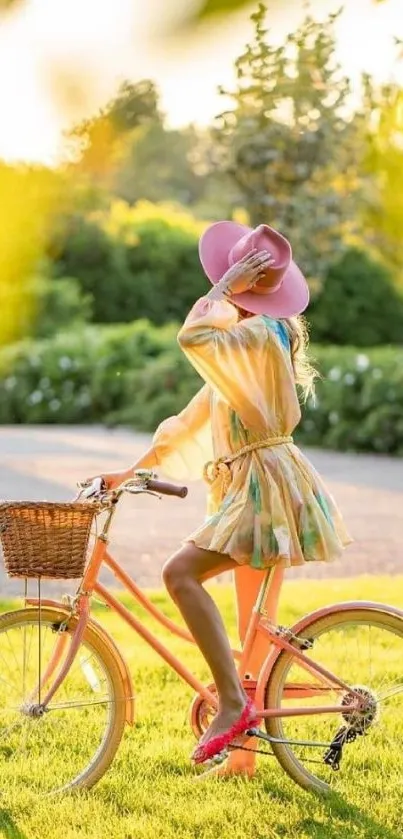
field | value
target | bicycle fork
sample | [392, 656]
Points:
[60, 647]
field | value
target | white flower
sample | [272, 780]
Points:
[362, 362]
[84, 398]
[65, 362]
[10, 383]
[333, 417]
[349, 379]
[335, 374]
[35, 397]
[54, 404]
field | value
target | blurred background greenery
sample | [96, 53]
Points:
[98, 246]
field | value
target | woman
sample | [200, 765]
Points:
[266, 503]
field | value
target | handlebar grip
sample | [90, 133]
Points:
[167, 489]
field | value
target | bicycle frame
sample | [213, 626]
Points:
[262, 621]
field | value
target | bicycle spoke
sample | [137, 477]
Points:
[390, 692]
[13, 653]
[63, 705]
[45, 751]
[366, 654]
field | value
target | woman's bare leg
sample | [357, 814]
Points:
[183, 576]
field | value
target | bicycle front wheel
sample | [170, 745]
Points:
[71, 744]
[360, 750]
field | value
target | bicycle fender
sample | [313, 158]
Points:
[123, 667]
[345, 606]
[61, 613]
[303, 623]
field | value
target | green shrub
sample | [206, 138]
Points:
[75, 376]
[49, 380]
[56, 305]
[139, 262]
[136, 374]
[359, 305]
[162, 388]
[83, 249]
[43, 306]
[359, 404]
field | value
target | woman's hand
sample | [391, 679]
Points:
[245, 274]
[112, 479]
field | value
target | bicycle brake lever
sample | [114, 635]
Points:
[90, 489]
[142, 489]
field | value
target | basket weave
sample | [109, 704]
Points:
[45, 539]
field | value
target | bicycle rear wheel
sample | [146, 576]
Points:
[74, 741]
[364, 648]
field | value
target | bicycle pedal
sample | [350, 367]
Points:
[256, 732]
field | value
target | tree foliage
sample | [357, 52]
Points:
[97, 143]
[213, 8]
[359, 304]
[126, 151]
[286, 143]
[134, 262]
[382, 207]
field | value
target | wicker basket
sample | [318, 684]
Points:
[45, 539]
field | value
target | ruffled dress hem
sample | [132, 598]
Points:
[284, 562]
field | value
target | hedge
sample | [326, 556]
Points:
[76, 376]
[135, 374]
[136, 262]
[359, 304]
[142, 262]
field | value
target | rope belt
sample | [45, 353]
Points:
[220, 467]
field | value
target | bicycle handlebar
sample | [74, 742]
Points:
[96, 490]
[167, 489]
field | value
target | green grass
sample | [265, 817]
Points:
[148, 792]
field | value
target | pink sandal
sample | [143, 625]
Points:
[216, 748]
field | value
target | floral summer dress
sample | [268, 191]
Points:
[274, 509]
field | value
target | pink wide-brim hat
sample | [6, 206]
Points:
[281, 293]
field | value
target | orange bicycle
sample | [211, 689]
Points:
[329, 692]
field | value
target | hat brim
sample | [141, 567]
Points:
[290, 299]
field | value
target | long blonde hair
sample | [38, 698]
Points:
[304, 371]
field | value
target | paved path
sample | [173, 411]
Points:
[44, 463]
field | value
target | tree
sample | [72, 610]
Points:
[382, 208]
[126, 151]
[286, 142]
[98, 143]
[158, 166]
[135, 262]
[197, 12]
[193, 13]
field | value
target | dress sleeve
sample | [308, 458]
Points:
[234, 358]
[183, 443]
